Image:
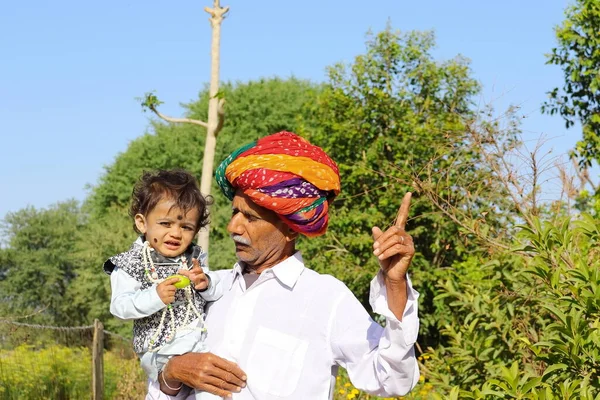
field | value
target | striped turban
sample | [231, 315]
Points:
[286, 174]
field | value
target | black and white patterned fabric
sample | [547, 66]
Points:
[131, 262]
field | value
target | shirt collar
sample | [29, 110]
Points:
[287, 272]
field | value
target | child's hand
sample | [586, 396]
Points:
[166, 290]
[199, 279]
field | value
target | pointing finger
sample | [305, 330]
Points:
[376, 235]
[403, 211]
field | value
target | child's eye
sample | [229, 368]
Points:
[165, 224]
[188, 228]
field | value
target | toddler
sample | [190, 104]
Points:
[168, 210]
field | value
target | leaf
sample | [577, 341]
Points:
[554, 367]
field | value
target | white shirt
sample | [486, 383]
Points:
[293, 327]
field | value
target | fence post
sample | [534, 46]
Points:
[98, 361]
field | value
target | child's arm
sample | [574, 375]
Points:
[214, 291]
[128, 301]
[206, 282]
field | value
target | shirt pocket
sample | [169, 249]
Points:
[275, 362]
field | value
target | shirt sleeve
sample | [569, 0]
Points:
[128, 301]
[154, 393]
[215, 287]
[383, 362]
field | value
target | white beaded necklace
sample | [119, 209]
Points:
[152, 276]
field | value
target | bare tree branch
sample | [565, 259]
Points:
[178, 120]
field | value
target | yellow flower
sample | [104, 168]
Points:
[347, 384]
[355, 391]
[421, 378]
[337, 377]
[342, 391]
[350, 396]
[426, 356]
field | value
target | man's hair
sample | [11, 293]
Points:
[175, 184]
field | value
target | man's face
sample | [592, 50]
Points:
[168, 229]
[260, 236]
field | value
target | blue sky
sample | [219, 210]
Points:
[70, 70]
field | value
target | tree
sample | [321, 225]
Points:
[36, 266]
[578, 54]
[88, 295]
[383, 118]
[215, 109]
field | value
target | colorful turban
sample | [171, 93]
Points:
[286, 174]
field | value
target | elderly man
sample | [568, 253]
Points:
[281, 330]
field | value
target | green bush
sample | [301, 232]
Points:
[58, 372]
[525, 324]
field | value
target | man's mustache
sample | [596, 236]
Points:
[241, 240]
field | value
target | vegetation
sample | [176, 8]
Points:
[59, 372]
[578, 55]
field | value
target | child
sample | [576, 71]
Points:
[168, 210]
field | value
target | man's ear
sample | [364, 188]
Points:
[290, 234]
[140, 223]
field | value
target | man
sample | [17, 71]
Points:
[281, 330]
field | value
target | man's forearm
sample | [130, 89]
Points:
[172, 376]
[202, 371]
[397, 296]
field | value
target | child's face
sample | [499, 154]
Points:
[168, 230]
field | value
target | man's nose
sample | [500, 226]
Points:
[234, 226]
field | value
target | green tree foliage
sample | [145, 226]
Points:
[89, 294]
[383, 119]
[36, 266]
[578, 54]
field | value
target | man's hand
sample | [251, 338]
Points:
[394, 248]
[199, 279]
[205, 372]
[166, 290]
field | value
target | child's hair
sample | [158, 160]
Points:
[176, 184]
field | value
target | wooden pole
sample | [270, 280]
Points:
[98, 361]
[215, 110]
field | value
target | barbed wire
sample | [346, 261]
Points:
[56, 328]
[61, 328]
